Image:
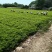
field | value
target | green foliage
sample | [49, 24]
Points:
[15, 4]
[48, 3]
[25, 7]
[9, 5]
[33, 2]
[40, 4]
[17, 26]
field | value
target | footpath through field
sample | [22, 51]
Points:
[36, 43]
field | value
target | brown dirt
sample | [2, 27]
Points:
[37, 43]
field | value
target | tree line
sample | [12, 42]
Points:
[37, 4]
[15, 4]
[40, 4]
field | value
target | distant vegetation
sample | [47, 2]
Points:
[37, 4]
[15, 4]
[41, 4]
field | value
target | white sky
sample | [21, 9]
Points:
[25, 2]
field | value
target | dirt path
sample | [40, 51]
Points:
[36, 43]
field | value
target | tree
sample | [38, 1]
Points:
[8, 5]
[16, 4]
[20, 5]
[25, 7]
[40, 4]
[32, 5]
[33, 2]
[0, 5]
[48, 3]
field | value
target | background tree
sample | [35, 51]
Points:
[37, 4]
[48, 3]
[32, 5]
[25, 7]
[15, 3]
[20, 5]
[1, 5]
[33, 2]
[8, 5]
[40, 4]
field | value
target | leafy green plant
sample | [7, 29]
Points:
[16, 26]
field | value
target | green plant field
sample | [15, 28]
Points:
[17, 26]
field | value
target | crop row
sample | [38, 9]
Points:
[15, 27]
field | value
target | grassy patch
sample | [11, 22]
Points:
[17, 26]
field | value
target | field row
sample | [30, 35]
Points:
[15, 27]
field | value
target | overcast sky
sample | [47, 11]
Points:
[25, 2]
